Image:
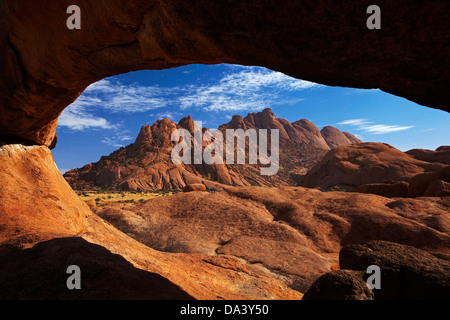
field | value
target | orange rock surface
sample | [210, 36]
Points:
[365, 163]
[147, 164]
[242, 243]
[45, 227]
[291, 233]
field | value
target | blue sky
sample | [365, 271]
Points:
[110, 113]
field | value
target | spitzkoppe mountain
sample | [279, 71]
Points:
[146, 164]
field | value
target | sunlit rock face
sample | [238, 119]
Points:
[147, 164]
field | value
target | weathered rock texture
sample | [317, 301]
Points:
[147, 164]
[45, 66]
[36, 203]
[366, 163]
[406, 273]
[40, 238]
[440, 155]
[340, 285]
[194, 187]
[335, 138]
[390, 190]
[290, 233]
[242, 243]
[430, 184]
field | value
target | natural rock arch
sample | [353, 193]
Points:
[44, 66]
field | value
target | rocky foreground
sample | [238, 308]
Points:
[240, 243]
[39, 240]
[379, 168]
[293, 234]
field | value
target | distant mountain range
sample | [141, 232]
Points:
[146, 164]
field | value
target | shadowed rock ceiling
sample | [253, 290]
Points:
[44, 66]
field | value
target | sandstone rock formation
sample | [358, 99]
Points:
[440, 155]
[194, 187]
[242, 243]
[390, 190]
[36, 203]
[147, 164]
[91, 203]
[437, 188]
[335, 138]
[40, 239]
[340, 285]
[406, 273]
[290, 233]
[45, 66]
[365, 163]
[430, 184]
[351, 138]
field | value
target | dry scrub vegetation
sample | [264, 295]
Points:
[103, 197]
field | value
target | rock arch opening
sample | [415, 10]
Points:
[44, 67]
[126, 121]
[317, 41]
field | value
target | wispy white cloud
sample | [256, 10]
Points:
[355, 122]
[369, 127]
[169, 114]
[76, 118]
[110, 97]
[115, 97]
[357, 91]
[250, 89]
[427, 130]
[117, 140]
[240, 89]
[381, 128]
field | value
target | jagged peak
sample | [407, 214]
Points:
[189, 124]
[187, 118]
[267, 111]
[153, 146]
[163, 122]
[144, 134]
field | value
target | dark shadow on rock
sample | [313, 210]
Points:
[407, 273]
[340, 285]
[40, 273]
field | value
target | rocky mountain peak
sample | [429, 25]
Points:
[144, 135]
[188, 123]
[158, 134]
[334, 137]
[147, 165]
[237, 122]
